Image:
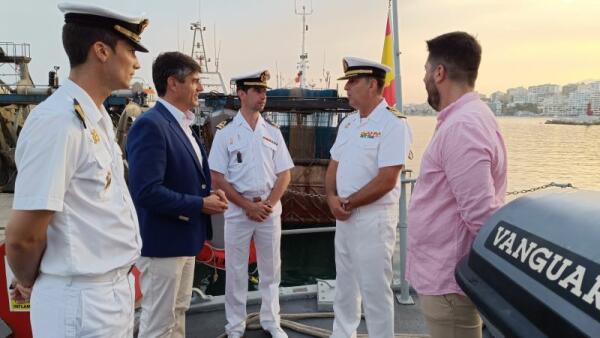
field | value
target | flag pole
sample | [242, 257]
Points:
[397, 78]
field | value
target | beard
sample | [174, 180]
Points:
[433, 95]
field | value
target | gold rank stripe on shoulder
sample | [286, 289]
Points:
[79, 112]
[222, 124]
[272, 123]
[396, 112]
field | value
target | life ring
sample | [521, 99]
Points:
[215, 257]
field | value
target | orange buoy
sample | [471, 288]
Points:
[215, 257]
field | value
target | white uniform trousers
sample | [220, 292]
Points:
[82, 306]
[167, 290]
[267, 239]
[364, 245]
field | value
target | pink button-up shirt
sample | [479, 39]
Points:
[462, 182]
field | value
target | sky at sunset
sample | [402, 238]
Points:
[525, 42]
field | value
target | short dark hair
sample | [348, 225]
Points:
[242, 88]
[174, 64]
[380, 81]
[78, 39]
[245, 88]
[459, 52]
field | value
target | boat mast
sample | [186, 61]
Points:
[303, 63]
[199, 55]
[397, 78]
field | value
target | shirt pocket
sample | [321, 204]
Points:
[238, 156]
[367, 150]
[103, 173]
[369, 144]
[269, 148]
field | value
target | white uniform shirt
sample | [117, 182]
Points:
[362, 146]
[250, 159]
[77, 172]
[184, 120]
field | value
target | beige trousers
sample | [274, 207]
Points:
[451, 316]
[167, 291]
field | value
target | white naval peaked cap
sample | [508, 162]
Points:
[130, 27]
[361, 67]
[256, 79]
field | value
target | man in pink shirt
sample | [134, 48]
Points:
[462, 182]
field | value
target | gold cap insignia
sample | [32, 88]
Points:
[143, 25]
[265, 76]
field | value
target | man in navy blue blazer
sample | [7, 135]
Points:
[169, 180]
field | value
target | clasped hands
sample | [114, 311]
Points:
[258, 210]
[340, 207]
[215, 203]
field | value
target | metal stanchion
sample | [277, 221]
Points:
[404, 297]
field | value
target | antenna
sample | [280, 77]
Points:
[277, 73]
[303, 63]
[178, 47]
[217, 58]
[215, 47]
[326, 74]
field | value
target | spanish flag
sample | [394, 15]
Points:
[387, 58]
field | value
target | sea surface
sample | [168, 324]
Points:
[538, 153]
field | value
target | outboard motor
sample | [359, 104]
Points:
[534, 269]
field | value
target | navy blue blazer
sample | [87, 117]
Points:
[167, 185]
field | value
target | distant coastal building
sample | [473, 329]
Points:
[553, 105]
[546, 99]
[418, 109]
[517, 95]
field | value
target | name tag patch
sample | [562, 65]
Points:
[269, 140]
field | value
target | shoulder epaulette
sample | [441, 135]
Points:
[79, 112]
[272, 123]
[223, 123]
[396, 112]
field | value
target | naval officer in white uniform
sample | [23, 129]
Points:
[73, 235]
[251, 163]
[363, 192]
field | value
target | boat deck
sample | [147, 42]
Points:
[408, 320]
